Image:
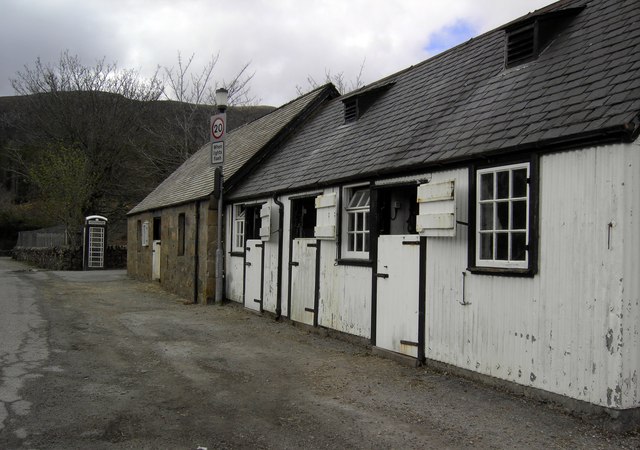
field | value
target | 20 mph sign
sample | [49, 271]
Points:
[218, 127]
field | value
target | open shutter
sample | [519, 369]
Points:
[437, 215]
[265, 222]
[326, 216]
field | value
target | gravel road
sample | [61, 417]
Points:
[99, 361]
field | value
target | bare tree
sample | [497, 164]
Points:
[178, 134]
[130, 140]
[338, 79]
[239, 88]
[95, 109]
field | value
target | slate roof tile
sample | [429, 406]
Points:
[194, 179]
[464, 102]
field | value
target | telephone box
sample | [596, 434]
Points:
[95, 242]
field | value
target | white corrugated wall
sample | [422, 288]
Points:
[571, 329]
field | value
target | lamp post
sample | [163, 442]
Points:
[221, 102]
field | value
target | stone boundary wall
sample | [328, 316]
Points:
[64, 258]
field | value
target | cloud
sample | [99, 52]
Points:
[285, 40]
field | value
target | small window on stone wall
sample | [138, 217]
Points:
[181, 234]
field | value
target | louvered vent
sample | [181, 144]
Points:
[350, 110]
[522, 44]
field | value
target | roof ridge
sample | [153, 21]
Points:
[313, 91]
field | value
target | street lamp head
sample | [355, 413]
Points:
[222, 97]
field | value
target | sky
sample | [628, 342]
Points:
[285, 41]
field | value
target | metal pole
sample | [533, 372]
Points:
[218, 131]
[219, 253]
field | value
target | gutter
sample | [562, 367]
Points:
[625, 133]
[280, 242]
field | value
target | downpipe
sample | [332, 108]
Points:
[280, 241]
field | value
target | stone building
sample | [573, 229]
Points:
[172, 232]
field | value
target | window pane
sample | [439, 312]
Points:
[358, 221]
[351, 244]
[518, 246]
[519, 180]
[486, 186]
[366, 221]
[352, 222]
[364, 199]
[355, 198]
[502, 246]
[358, 242]
[519, 215]
[486, 216]
[486, 246]
[366, 242]
[502, 216]
[502, 184]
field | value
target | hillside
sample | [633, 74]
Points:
[131, 147]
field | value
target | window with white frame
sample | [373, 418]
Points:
[356, 226]
[502, 216]
[238, 228]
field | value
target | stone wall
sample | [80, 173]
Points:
[139, 256]
[177, 271]
[63, 258]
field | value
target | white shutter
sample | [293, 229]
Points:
[326, 215]
[145, 233]
[265, 222]
[437, 215]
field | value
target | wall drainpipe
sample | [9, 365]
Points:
[196, 256]
[280, 240]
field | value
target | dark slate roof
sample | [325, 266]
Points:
[194, 179]
[463, 103]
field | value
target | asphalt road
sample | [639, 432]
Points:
[96, 360]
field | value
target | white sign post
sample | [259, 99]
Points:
[218, 131]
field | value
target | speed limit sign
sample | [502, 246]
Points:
[218, 127]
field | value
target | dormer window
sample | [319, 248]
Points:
[351, 110]
[357, 103]
[528, 37]
[522, 45]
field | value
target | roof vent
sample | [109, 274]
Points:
[351, 110]
[526, 38]
[358, 102]
[522, 45]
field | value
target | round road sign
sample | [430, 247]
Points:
[217, 128]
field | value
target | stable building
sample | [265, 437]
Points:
[477, 211]
[172, 232]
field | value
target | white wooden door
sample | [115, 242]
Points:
[253, 274]
[155, 261]
[303, 280]
[397, 293]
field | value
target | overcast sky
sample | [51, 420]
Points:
[285, 40]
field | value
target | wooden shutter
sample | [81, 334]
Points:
[326, 216]
[145, 233]
[437, 215]
[265, 222]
